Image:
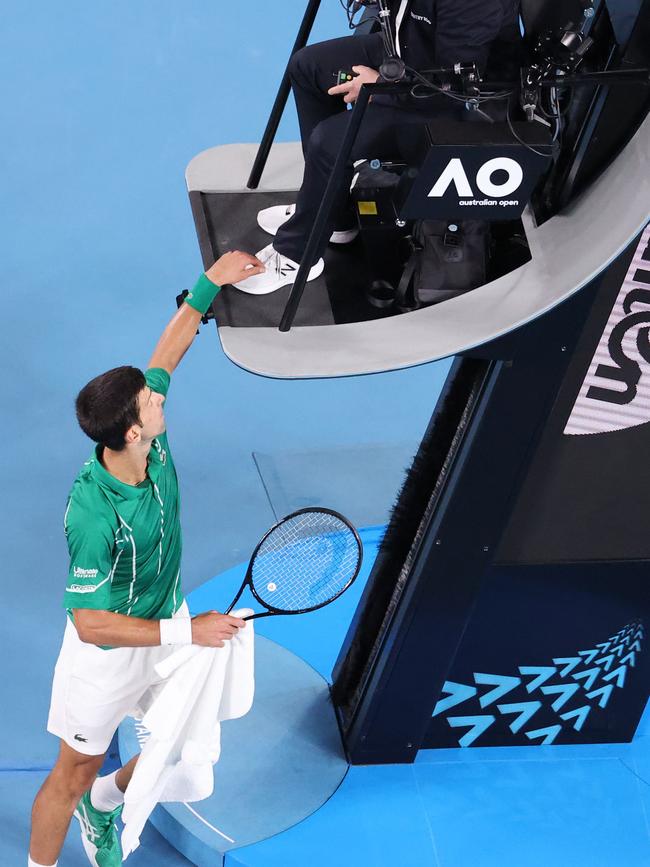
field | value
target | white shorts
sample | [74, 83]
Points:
[94, 690]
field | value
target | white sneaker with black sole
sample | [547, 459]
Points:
[280, 271]
[270, 219]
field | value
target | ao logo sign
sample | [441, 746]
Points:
[455, 174]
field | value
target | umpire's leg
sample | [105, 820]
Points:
[313, 71]
[377, 138]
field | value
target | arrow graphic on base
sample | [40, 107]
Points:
[604, 692]
[580, 716]
[549, 734]
[458, 693]
[618, 673]
[503, 683]
[570, 662]
[525, 709]
[543, 672]
[478, 725]
[590, 676]
[606, 661]
[564, 690]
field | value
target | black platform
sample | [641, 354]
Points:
[228, 221]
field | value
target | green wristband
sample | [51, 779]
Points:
[203, 294]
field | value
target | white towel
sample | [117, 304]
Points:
[204, 686]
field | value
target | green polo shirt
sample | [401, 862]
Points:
[125, 540]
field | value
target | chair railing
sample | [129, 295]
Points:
[281, 98]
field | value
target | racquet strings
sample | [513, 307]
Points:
[305, 562]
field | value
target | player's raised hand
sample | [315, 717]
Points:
[233, 267]
[350, 90]
[212, 629]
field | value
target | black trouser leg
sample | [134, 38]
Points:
[378, 138]
[313, 71]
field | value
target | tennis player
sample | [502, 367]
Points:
[125, 605]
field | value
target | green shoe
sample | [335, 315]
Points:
[99, 835]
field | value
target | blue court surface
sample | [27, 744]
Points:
[521, 806]
[103, 105]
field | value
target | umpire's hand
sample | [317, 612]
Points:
[350, 90]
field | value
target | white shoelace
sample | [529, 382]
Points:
[275, 261]
[266, 255]
[88, 829]
[278, 264]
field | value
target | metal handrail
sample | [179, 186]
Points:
[333, 186]
[281, 99]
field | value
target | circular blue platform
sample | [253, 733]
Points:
[278, 764]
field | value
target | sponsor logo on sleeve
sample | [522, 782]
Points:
[85, 573]
[81, 574]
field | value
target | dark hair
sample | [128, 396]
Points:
[108, 406]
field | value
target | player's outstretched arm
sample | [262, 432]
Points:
[177, 338]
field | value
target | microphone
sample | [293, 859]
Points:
[357, 5]
[393, 68]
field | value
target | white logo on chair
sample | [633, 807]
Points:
[454, 173]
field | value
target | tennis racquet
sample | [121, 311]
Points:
[303, 563]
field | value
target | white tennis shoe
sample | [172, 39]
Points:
[270, 219]
[280, 271]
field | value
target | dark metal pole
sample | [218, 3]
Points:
[325, 209]
[607, 77]
[281, 98]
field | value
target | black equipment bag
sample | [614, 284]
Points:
[447, 259]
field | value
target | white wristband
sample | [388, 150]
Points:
[176, 630]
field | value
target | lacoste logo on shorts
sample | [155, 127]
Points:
[79, 738]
